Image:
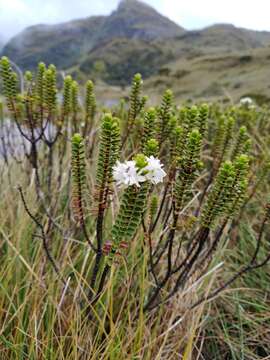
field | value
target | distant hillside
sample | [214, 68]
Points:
[222, 38]
[61, 44]
[122, 58]
[225, 77]
[227, 35]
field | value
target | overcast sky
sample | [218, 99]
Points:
[191, 14]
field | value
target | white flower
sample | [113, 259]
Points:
[127, 174]
[155, 173]
[120, 172]
[246, 101]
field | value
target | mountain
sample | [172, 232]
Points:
[135, 20]
[133, 38]
[66, 44]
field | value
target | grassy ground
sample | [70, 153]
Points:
[40, 320]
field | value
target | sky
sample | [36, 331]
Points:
[191, 14]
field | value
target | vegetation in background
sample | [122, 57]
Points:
[105, 257]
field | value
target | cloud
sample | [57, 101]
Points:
[10, 11]
[17, 14]
[195, 13]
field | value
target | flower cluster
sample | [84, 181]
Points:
[247, 102]
[135, 172]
